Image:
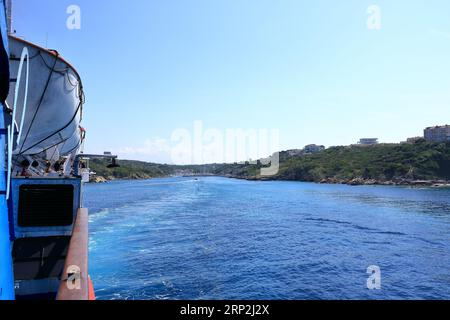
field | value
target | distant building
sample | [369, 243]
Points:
[313, 148]
[368, 141]
[437, 134]
[413, 140]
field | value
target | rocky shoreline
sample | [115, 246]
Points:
[360, 181]
[98, 179]
[136, 176]
[393, 182]
[350, 182]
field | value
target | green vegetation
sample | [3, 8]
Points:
[376, 164]
[384, 162]
[131, 170]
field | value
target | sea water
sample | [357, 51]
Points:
[218, 238]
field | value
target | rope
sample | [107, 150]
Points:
[57, 144]
[56, 148]
[40, 103]
[75, 148]
[53, 134]
[63, 72]
[60, 71]
[48, 148]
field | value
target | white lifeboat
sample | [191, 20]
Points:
[53, 111]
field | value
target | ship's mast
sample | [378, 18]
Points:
[9, 15]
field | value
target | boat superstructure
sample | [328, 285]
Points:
[43, 224]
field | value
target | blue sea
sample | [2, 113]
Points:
[218, 238]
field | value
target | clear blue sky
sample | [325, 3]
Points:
[311, 69]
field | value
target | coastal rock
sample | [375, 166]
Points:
[98, 179]
[357, 182]
[140, 176]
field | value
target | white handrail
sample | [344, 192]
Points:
[24, 56]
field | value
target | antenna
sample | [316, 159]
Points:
[9, 15]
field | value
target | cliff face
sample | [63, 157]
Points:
[421, 163]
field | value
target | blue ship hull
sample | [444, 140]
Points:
[6, 272]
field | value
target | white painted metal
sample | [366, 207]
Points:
[24, 58]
